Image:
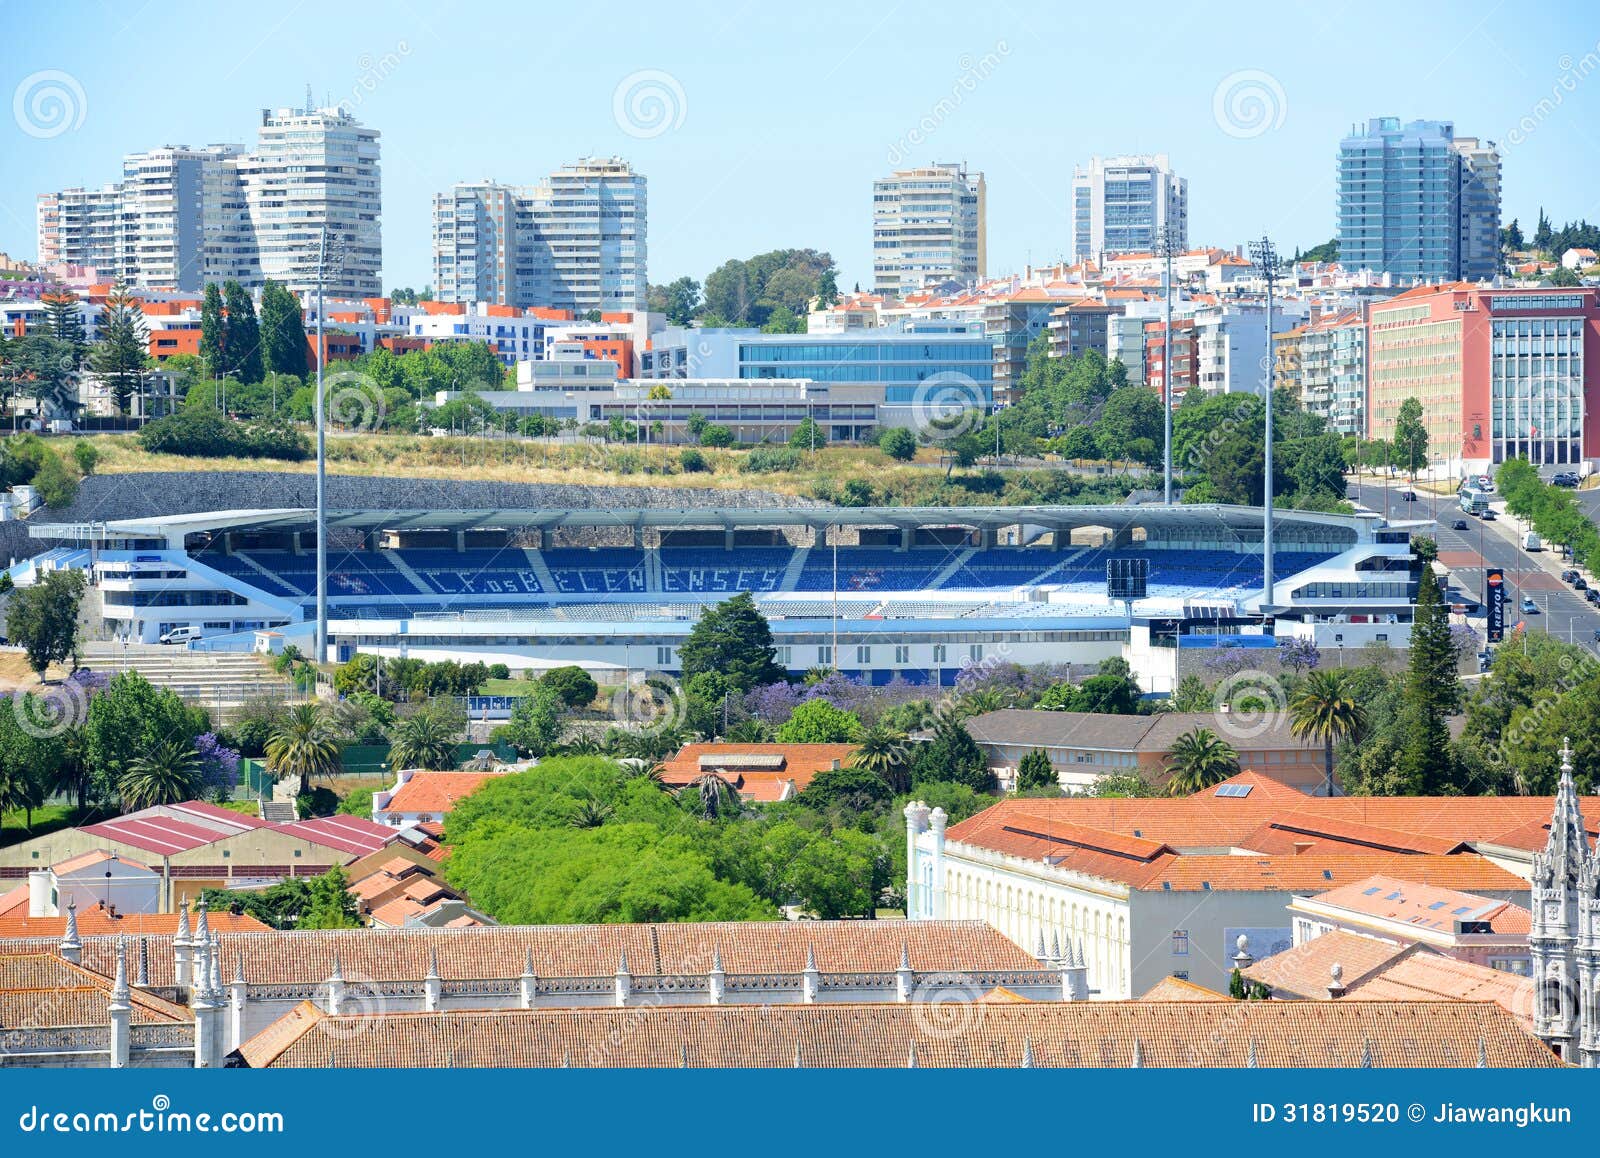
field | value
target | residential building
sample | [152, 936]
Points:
[1324, 363]
[1482, 931]
[762, 773]
[1498, 372]
[928, 228]
[1125, 204]
[1081, 326]
[181, 217]
[1419, 203]
[1167, 885]
[575, 242]
[1348, 966]
[420, 797]
[1084, 746]
[1579, 258]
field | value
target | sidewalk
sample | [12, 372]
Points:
[1507, 526]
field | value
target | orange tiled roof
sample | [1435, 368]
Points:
[1179, 989]
[97, 920]
[1089, 1033]
[800, 763]
[1425, 907]
[296, 956]
[42, 990]
[436, 793]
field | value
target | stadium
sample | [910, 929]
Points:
[880, 593]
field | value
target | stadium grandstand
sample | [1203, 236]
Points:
[876, 592]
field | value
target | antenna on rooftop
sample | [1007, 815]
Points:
[308, 96]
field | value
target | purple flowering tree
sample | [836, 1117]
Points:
[1227, 660]
[1298, 655]
[219, 764]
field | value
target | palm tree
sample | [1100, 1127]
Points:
[1197, 760]
[421, 741]
[304, 744]
[167, 773]
[1324, 708]
[652, 746]
[886, 752]
[715, 795]
[591, 814]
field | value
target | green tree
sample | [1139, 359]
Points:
[424, 740]
[43, 619]
[329, 904]
[574, 686]
[1411, 437]
[283, 332]
[214, 333]
[898, 443]
[63, 321]
[678, 300]
[1564, 278]
[1324, 708]
[1192, 695]
[244, 333]
[167, 773]
[1035, 773]
[1197, 760]
[808, 435]
[121, 357]
[952, 755]
[853, 789]
[536, 721]
[1542, 233]
[85, 456]
[819, 722]
[1130, 426]
[734, 639]
[1431, 695]
[885, 751]
[129, 719]
[838, 875]
[1511, 239]
[304, 745]
[47, 370]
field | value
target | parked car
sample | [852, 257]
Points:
[1531, 541]
[1529, 607]
[185, 634]
[1485, 658]
[1564, 479]
[1487, 516]
[1580, 584]
[1570, 576]
[1408, 496]
[1593, 595]
[1459, 525]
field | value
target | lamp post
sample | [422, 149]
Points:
[1166, 243]
[1265, 257]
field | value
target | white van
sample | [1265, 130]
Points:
[185, 634]
[1530, 542]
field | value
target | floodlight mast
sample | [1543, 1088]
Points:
[1166, 246]
[1265, 257]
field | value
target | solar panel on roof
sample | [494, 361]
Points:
[1438, 904]
[1370, 892]
[1392, 897]
[1462, 910]
[1234, 790]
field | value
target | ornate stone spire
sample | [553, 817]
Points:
[905, 956]
[911, 1055]
[811, 959]
[1569, 843]
[337, 974]
[716, 959]
[527, 964]
[622, 965]
[1366, 1053]
[119, 987]
[1027, 1053]
[1055, 947]
[433, 965]
[142, 979]
[1138, 1055]
[69, 935]
[798, 1063]
[1483, 1056]
[683, 1056]
[181, 941]
[1250, 1058]
[202, 927]
[1040, 952]
[238, 969]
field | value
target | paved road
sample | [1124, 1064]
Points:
[1563, 612]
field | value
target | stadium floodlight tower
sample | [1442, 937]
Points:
[321, 642]
[1166, 246]
[1265, 257]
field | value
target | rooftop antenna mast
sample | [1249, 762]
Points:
[1265, 257]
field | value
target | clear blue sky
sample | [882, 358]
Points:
[788, 113]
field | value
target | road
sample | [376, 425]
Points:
[1564, 612]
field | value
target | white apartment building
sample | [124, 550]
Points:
[1232, 352]
[181, 217]
[577, 241]
[1122, 204]
[928, 228]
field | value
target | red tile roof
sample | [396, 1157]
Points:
[352, 834]
[1425, 907]
[798, 763]
[436, 793]
[97, 920]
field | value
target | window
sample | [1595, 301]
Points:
[663, 657]
[825, 655]
[863, 654]
[939, 653]
[902, 654]
[1180, 942]
[975, 651]
[1180, 974]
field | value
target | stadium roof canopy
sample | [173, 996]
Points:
[173, 528]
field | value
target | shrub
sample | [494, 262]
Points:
[770, 460]
[86, 456]
[691, 460]
[572, 685]
[715, 434]
[56, 484]
[207, 434]
[499, 671]
[898, 443]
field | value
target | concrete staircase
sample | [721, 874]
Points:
[217, 681]
[278, 811]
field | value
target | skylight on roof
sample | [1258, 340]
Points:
[1462, 910]
[1370, 892]
[1392, 897]
[1438, 904]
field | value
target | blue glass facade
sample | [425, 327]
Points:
[906, 359]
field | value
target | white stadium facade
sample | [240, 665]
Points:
[876, 592]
